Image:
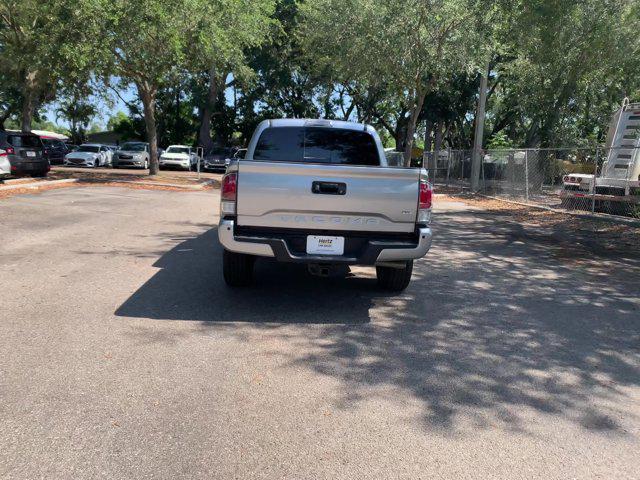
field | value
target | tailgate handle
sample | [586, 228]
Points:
[329, 188]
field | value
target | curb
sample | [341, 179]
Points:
[199, 186]
[38, 184]
[587, 216]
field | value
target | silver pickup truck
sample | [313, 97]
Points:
[320, 192]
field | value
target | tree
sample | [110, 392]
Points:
[144, 42]
[129, 127]
[10, 98]
[41, 43]
[281, 85]
[563, 66]
[77, 109]
[405, 47]
[224, 32]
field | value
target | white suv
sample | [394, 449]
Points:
[5, 165]
[179, 156]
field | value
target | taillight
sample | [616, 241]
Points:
[425, 199]
[229, 187]
[10, 151]
[426, 194]
[228, 194]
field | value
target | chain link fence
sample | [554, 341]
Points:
[588, 179]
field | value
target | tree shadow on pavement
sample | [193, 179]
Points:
[495, 327]
[190, 286]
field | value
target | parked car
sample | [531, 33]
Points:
[55, 150]
[5, 165]
[89, 155]
[217, 159]
[112, 152]
[132, 154]
[179, 156]
[320, 192]
[25, 153]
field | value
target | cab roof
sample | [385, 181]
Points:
[317, 122]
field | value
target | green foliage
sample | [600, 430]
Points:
[499, 140]
[560, 67]
[42, 44]
[78, 109]
[282, 85]
[128, 127]
[557, 69]
[403, 48]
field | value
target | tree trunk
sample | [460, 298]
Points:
[428, 130]
[148, 95]
[476, 158]
[411, 125]
[204, 135]
[26, 116]
[29, 95]
[3, 118]
[177, 120]
[437, 146]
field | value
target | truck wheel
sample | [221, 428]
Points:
[395, 279]
[237, 268]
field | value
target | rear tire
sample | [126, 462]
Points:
[237, 268]
[395, 279]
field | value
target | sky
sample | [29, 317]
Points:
[106, 109]
[109, 108]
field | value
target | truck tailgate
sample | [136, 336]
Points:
[280, 195]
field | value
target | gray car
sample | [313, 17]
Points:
[25, 153]
[132, 154]
[217, 159]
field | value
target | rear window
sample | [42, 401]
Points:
[26, 141]
[133, 147]
[89, 148]
[316, 145]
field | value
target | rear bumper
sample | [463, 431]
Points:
[25, 168]
[214, 166]
[286, 247]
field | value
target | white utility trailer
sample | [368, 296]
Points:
[619, 177]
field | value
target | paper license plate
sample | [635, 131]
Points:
[321, 245]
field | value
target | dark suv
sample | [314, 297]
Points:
[25, 152]
[54, 150]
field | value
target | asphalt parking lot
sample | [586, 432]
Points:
[123, 354]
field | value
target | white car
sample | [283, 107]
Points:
[89, 155]
[5, 165]
[179, 156]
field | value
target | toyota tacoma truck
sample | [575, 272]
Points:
[320, 192]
